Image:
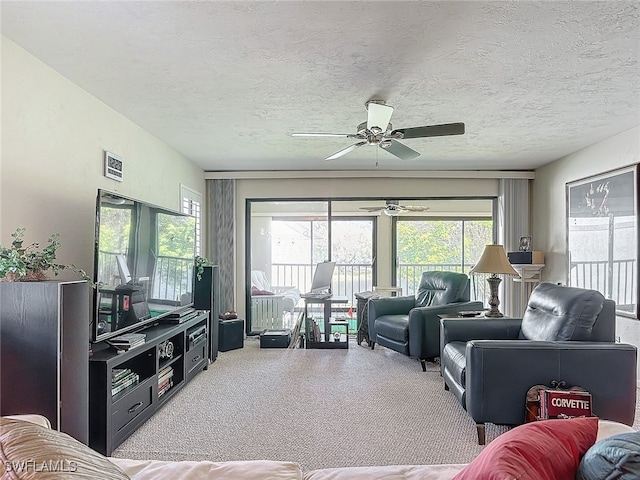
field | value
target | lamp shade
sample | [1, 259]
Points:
[494, 260]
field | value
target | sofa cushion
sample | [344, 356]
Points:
[387, 472]
[549, 449]
[31, 451]
[395, 327]
[454, 360]
[195, 470]
[557, 313]
[614, 457]
[259, 280]
[441, 288]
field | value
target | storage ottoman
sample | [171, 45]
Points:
[275, 339]
[230, 334]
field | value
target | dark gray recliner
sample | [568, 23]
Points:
[411, 325]
[566, 334]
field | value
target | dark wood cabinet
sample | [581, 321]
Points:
[44, 353]
[115, 415]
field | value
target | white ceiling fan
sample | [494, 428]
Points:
[393, 208]
[379, 132]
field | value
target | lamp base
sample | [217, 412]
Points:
[494, 301]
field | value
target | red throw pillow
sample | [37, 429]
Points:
[256, 291]
[546, 450]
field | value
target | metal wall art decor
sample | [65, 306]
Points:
[602, 236]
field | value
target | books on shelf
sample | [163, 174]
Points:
[164, 387]
[127, 340]
[165, 380]
[165, 373]
[121, 378]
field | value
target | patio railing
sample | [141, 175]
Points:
[617, 280]
[172, 276]
[349, 279]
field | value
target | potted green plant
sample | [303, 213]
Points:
[200, 263]
[30, 263]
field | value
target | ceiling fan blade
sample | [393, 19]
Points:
[401, 151]
[379, 116]
[344, 151]
[431, 130]
[341, 135]
[372, 209]
[415, 209]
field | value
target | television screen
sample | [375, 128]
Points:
[143, 266]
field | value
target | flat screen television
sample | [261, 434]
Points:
[143, 264]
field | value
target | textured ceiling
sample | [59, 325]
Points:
[225, 83]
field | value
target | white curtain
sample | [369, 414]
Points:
[513, 223]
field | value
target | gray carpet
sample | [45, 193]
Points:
[320, 408]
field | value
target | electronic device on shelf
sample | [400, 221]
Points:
[143, 265]
[321, 283]
[197, 336]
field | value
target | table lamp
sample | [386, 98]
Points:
[494, 261]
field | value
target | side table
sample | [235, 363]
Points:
[323, 340]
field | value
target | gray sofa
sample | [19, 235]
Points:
[566, 334]
[411, 324]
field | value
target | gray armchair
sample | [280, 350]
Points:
[411, 325]
[566, 334]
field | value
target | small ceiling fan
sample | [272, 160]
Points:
[379, 132]
[393, 208]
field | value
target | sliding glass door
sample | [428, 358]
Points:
[372, 246]
[452, 243]
[287, 238]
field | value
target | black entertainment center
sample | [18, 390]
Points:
[64, 355]
[114, 415]
[148, 291]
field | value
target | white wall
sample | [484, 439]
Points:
[549, 206]
[549, 209]
[51, 166]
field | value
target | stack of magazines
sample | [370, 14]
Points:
[122, 378]
[165, 380]
[128, 340]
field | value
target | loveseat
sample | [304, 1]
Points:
[30, 449]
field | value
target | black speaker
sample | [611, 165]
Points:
[231, 334]
[205, 297]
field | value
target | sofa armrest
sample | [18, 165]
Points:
[424, 327]
[378, 306]
[499, 373]
[33, 418]
[466, 329]
[391, 306]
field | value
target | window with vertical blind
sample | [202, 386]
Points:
[192, 205]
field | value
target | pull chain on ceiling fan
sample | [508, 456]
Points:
[378, 131]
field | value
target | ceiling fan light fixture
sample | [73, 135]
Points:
[392, 211]
[378, 131]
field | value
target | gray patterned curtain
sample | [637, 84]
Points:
[513, 222]
[222, 211]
